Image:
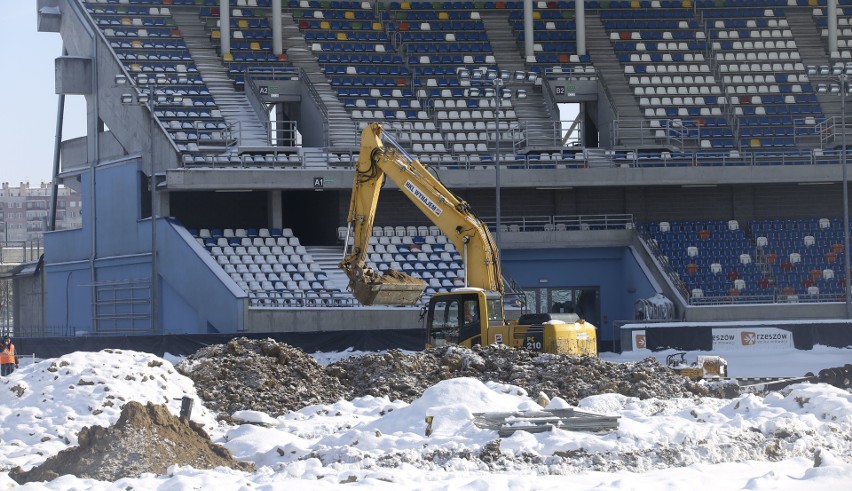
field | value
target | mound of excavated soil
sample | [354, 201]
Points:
[144, 439]
[276, 378]
[405, 376]
[260, 375]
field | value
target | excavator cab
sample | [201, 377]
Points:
[463, 317]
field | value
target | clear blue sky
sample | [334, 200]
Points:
[27, 97]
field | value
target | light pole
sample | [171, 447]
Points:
[478, 80]
[148, 96]
[837, 77]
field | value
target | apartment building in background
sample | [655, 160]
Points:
[25, 211]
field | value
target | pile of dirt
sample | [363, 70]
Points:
[405, 376]
[144, 439]
[260, 375]
[277, 378]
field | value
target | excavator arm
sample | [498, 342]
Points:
[450, 214]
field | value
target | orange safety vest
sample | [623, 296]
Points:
[8, 354]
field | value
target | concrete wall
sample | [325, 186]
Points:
[832, 310]
[75, 152]
[339, 319]
[28, 297]
[312, 124]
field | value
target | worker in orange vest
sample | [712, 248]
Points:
[8, 357]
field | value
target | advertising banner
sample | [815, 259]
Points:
[751, 337]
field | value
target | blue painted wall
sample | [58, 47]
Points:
[194, 297]
[615, 271]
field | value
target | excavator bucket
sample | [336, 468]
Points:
[392, 288]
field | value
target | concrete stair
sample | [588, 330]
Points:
[534, 114]
[611, 74]
[342, 131]
[327, 257]
[315, 157]
[246, 125]
[812, 51]
[598, 157]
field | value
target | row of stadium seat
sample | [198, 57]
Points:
[774, 257]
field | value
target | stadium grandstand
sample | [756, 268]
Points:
[701, 180]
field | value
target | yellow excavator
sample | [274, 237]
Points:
[467, 315]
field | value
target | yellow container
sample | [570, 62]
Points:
[575, 338]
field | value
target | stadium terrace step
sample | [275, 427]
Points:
[328, 257]
[341, 128]
[509, 57]
[812, 51]
[234, 106]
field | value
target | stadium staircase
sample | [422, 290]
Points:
[342, 132]
[328, 257]
[611, 75]
[812, 51]
[598, 157]
[315, 157]
[234, 106]
[531, 109]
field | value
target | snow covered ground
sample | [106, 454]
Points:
[751, 442]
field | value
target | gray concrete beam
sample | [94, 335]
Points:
[187, 179]
[337, 319]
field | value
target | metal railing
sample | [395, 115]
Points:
[557, 158]
[638, 132]
[768, 298]
[20, 251]
[561, 223]
[667, 269]
[284, 157]
[548, 135]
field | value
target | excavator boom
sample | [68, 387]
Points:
[450, 214]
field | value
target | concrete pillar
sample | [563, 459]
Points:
[164, 204]
[277, 47]
[832, 27]
[580, 19]
[225, 26]
[276, 215]
[529, 35]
